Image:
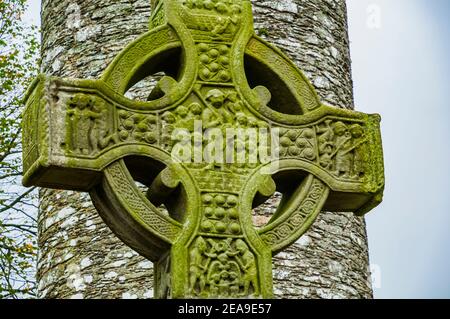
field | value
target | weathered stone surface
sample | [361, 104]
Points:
[78, 37]
[333, 267]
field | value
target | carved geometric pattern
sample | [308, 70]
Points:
[121, 186]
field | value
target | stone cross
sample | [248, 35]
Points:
[216, 78]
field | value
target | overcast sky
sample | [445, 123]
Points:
[401, 69]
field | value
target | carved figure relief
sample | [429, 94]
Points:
[86, 117]
[223, 268]
[214, 16]
[341, 148]
[162, 271]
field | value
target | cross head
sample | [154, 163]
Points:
[217, 84]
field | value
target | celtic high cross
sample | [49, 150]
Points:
[87, 135]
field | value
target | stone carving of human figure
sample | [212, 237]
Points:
[358, 143]
[219, 116]
[196, 111]
[214, 284]
[326, 145]
[195, 114]
[234, 282]
[233, 103]
[222, 266]
[221, 26]
[213, 278]
[223, 275]
[216, 117]
[235, 14]
[242, 145]
[82, 119]
[198, 267]
[182, 113]
[252, 122]
[164, 280]
[241, 140]
[241, 120]
[343, 144]
[326, 159]
[247, 262]
[232, 19]
[100, 134]
[169, 121]
[326, 133]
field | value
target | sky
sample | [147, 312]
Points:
[401, 69]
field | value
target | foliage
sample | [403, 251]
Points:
[19, 48]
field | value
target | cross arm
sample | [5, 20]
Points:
[343, 149]
[77, 135]
[330, 159]
[73, 129]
